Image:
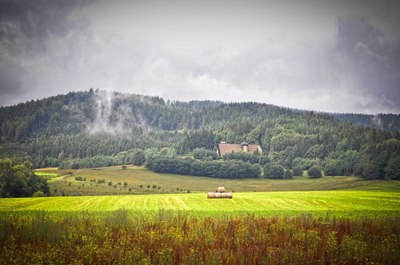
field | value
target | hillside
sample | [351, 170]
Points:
[102, 128]
[138, 180]
[390, 122]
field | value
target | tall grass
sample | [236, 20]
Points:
[168, 237]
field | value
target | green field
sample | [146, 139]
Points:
[169, 183]
[332, 220]
[340, 196]
[318, 203]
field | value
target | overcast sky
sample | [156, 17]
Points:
[336, 56]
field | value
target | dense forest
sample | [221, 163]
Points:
[103, 128]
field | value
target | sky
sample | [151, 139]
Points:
[322, 55]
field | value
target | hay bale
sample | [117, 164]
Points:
[217, 195]
[223, 195]
[210, 195]
[229, 195]
[123, 167]
[221, 189]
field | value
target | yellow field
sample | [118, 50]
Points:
[339, 203]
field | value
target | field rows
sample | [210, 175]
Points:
[340, 203]
[138, 179]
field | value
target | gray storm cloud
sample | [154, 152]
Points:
[30, 32]
[52, 47]
[374, 61]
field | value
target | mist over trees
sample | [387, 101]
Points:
[100, 128]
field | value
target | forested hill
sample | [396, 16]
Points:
[83, 128]
[121, 114]
[390, 122]
[115, 113]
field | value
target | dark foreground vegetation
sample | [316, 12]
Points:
[166, 238]
[19, 180]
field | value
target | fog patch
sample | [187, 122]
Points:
[377, 121]
[114, 115]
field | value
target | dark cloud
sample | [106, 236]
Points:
[355, 71]
[25, 25]
[10, 76]
[373, 59]
[353, 31]
[51, 47]
[26, 28]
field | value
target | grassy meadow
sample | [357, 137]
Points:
[340, 196]
[135, 177]
[318, 203]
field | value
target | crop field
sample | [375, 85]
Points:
[142, 181]
[348, 203]
[263, 197]
[332, 220]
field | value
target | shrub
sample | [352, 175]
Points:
[154, 186]
[148, 186]
[256, 171]
[125, 183]
[288, 174]
[135, 157]
[333, 168]
[188, 191]
[392, 170]
[139, 158]
[78, 178]
[101, 181]
[314, 172]
[204, 154]
[110, 183]
[297, 171]
[91, 194]
[38, 193]
[149, 163]
[273, 171]
[264, 160]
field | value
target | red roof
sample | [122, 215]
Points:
[229, 148]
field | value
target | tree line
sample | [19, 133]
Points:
[55, 132]
[233, 169]
[19, 180]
